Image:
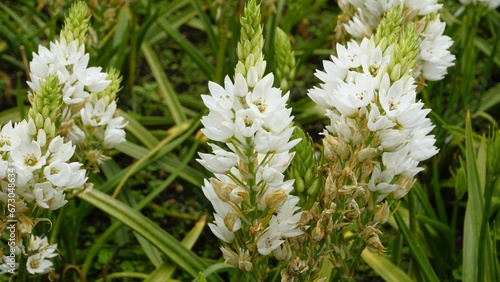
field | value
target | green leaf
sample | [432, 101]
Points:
[206, 23]
[416, 250]
[474, 210]
[187, 46]
[167, 92]
[384, 267]
[179, 254]
[188, 242]
[139, 131]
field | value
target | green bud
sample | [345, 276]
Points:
[304, 167]
[284, 60]
[46, 105]
[109, 94]
[299, 185]
[396, 72]
[389, 26]
[249, 49]
[76, 24]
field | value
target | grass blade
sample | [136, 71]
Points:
[474, 210]
[165, 242]
[166, 90]
[415, 248]
[384, 267]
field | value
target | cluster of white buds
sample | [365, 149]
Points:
[254, 211]
[360, 19]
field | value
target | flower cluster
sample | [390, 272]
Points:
[254, 211]
[43, 173]
[377, 135]
[87, 114]
[72, 116]
[360, 19]
[38, 252]
[42, 166]
[249, 183]
[374, 113]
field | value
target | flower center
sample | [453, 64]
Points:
[261, 105]
[97, 118]
[30, 160]
[54, 170]
[4, 140]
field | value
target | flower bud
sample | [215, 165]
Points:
[276, 199]
[318, 232]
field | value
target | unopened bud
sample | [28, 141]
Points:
[318, 233]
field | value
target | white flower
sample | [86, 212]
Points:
[434, 54]
[114, 133]
[58, 173]
[223, 210]
[269, 241]
[282, 225]
[9, 137]
[60, 150]
[74, 93]
[381, 181]
[73, 132]
[78, 177]
[221, 99]
[37, 264]
[219, 162]
[48, 197]
[28, 156]
[99, 114]
[93, 79]
[247, 122]
[217, 126]
[265, 98]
